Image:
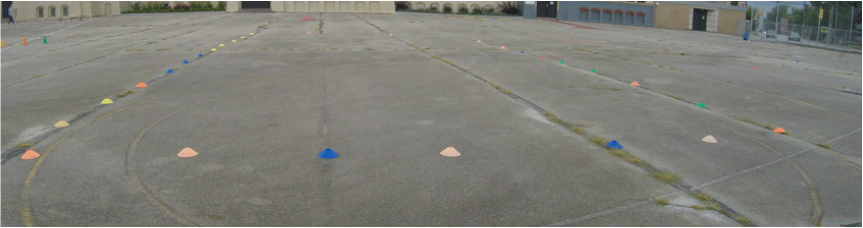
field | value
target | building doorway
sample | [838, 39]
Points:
[546, 9]
[108, 11]
[255, 5]
[6, 5]
[699, 19]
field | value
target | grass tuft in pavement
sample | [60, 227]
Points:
[665, 176]
[661, 202]
[703, 197]
[25, 145]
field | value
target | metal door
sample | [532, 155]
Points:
[255, 5]
[546, 9]
[699, 19]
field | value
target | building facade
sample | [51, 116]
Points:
[715, 16]
[56, 10]
[314, 6]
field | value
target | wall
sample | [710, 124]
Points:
[27, 11]
[325, 6]
[721, 18]
[455, 5]
[729, 19]
[673, 16]
[338, 6]
[571, 11]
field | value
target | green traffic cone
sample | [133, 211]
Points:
[44, 39]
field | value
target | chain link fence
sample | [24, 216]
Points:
[809, 35]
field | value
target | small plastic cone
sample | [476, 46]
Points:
[242, 37]
[187, 153]
[701, 105]
[328, 154]
[61, 124]
[107, 101]
[100, 16]
[251, 34]
[25, 41]
[593, 70]
[30, 154]
[709, 139]
[233, 41]
[634, 83]
[142, 85]
[221, 45]
[214, 49]
[479, 41]
[310, 33]
[779, 130]
[44, 39]
[755, 68]
[542, 56]
[502, 47]
[2, 43]
[450, 152]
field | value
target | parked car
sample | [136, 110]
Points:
[771, 34]
[794, 37]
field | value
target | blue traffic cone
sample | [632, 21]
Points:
[521, 52]
[614, 145]
[170, 71]
[200, 55]
[185, 61]
[328, 154]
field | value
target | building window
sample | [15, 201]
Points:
[40, 12]
[606, 15]
[583, 13]
[65, 11]
[639, 18]
[594, 14]
[52, 11]
[618, 16]
[630, 17]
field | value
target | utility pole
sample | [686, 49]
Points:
[820, 16]
[776, 26]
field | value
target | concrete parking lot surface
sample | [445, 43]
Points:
[527, 103]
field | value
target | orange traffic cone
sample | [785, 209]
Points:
[3, 44]
[25, 41]
[779, 130]
[634, 83]
[30, 154]
[141, 85]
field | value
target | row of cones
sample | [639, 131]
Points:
[24, 41]
[189, 152]
[186, 152]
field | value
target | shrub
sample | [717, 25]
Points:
[462, 10]
[433, 9]
[200, 6]
[477, 10]
[403, 5]
[488, 10]
[136, 7]
[222, 5]
[181, 7]
[152, 6]
[508, 7]
[447, 9]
